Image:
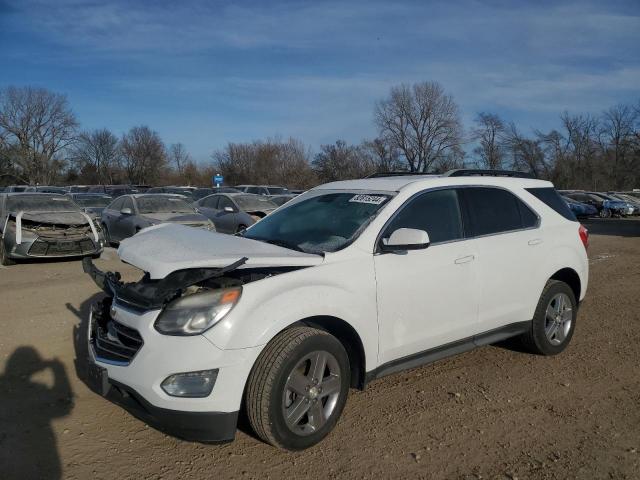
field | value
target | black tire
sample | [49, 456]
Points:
[4, 258]
[267, 392]
[536, 339]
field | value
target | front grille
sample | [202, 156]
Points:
[112, 341]
[43, 247]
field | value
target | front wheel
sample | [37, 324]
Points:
[298, 388]
[554, 320]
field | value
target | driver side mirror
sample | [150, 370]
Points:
[126, 211]
[229, 209]
[404, 239]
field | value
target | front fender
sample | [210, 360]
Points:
[345, 290]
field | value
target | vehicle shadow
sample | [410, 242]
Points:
[28, 447]
[618, 227]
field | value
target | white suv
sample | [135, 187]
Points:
[346, 283]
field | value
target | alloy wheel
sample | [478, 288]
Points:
[311, 393]
[559, 316]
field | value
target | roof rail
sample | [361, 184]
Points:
[471, 172]
[395, 174]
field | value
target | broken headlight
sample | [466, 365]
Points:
[193, 314]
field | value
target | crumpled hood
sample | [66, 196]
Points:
[58, 218]
[165, 248]
[175, 217]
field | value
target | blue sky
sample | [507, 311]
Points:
[208, 72]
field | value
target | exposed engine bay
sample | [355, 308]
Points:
[149, 294]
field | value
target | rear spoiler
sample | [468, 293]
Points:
[148, 294]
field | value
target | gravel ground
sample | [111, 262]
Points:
[490, 413]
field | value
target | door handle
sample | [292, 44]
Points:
[465, 259]
[535, 241]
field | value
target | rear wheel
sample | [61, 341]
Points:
[298, 388]
[4, 257]
[554, 320]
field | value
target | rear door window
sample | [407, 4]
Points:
[436, 212]
[224, 203]
[116, 204]
[127, 203]
[552, 199]
[493, 210]
[211, 202]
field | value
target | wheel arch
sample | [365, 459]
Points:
[351, 341]
[570, 277]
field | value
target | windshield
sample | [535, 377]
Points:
[277, 191]
[254, 202]
[322, 223]
[158, 204]
[92, 201]
[41, 203]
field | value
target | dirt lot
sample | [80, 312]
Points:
[490, 413]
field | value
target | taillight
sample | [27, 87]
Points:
[584, 236]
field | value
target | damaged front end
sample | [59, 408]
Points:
[30, 235]
[147, 294]
[116, 343]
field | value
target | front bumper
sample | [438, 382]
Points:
[41, 247]
[214, 427]
[135, 383]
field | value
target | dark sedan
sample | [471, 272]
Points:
[43, 225]
[233, 212]
[129, 214]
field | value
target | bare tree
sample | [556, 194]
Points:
[526, 153]
[383, 155]
[489, 133]
[339, 161]
[179, 157]
[617, 136]
[266, 162]
[143, 155]
[421, 121]
[38, 125]
[96, 155]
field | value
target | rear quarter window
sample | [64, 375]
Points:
[552, 199]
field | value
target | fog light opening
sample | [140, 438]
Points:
[190, 384]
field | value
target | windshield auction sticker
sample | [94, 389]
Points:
[372, 199]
